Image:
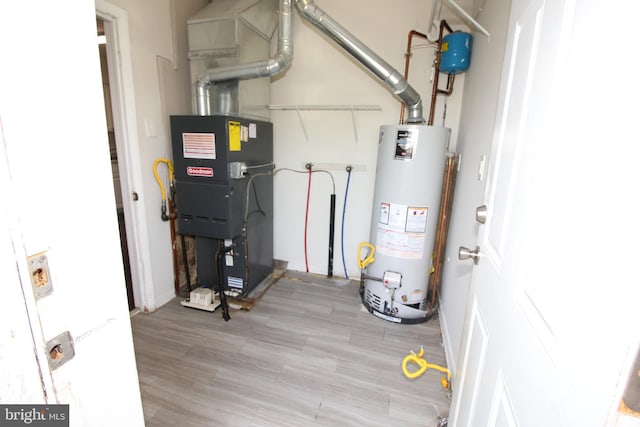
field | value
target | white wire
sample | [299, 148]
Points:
[333, 181]
[273, 173]
[264, 165]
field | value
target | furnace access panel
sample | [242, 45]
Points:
[210, 204]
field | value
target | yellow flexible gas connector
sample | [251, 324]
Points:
[423, 365]
[169, 164]
[362, 263]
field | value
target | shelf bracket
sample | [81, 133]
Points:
[352, 108]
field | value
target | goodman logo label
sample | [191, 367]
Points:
[198, 171]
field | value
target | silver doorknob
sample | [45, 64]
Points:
[481, 214]
[466, 253]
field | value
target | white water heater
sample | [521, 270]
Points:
[411, 163]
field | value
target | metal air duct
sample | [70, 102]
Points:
[226, 78]
[378, 66]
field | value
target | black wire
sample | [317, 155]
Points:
[219, 267]
[185, 262]
[255, 194]
[344, 210]
[255, 211]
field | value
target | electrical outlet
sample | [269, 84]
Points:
[40, 276]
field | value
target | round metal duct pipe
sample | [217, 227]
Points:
[374, 63]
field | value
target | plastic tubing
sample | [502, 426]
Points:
[306, 220]
[219, 268]
[332, 215]
[344, 210]
[309, 172]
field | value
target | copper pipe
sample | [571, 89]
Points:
[412, 33]
[434, 91]
[442, 230]
[449, 90]
[174, 249]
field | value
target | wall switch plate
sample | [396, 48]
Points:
[150, 128]
[40, 276]
[60, 350]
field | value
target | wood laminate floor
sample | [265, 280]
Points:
[306, 355]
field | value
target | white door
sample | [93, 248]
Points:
[58, 209]
[23, 378]
[551, 322]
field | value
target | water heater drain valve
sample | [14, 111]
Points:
[392, 280]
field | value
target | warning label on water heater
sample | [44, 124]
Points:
[417, 220]
[405, 144]
[401, 230]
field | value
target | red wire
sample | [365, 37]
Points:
[306, 222]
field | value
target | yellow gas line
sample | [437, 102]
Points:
[423, 365]
[161, 184]
[362, 263]
[155, 174]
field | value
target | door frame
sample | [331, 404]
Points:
[127, 144]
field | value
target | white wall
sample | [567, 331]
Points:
[475, 135]
[321, 73]
[157, 31]
[60, 193]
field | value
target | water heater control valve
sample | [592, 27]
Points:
[392, 280]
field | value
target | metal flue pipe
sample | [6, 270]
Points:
[266, 68]
[376, 65]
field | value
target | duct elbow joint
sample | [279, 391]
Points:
[415, 114]
[311, 11]
[307, 7]
[278, 63]
[416, 120]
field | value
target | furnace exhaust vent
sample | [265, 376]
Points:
[228, 33]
